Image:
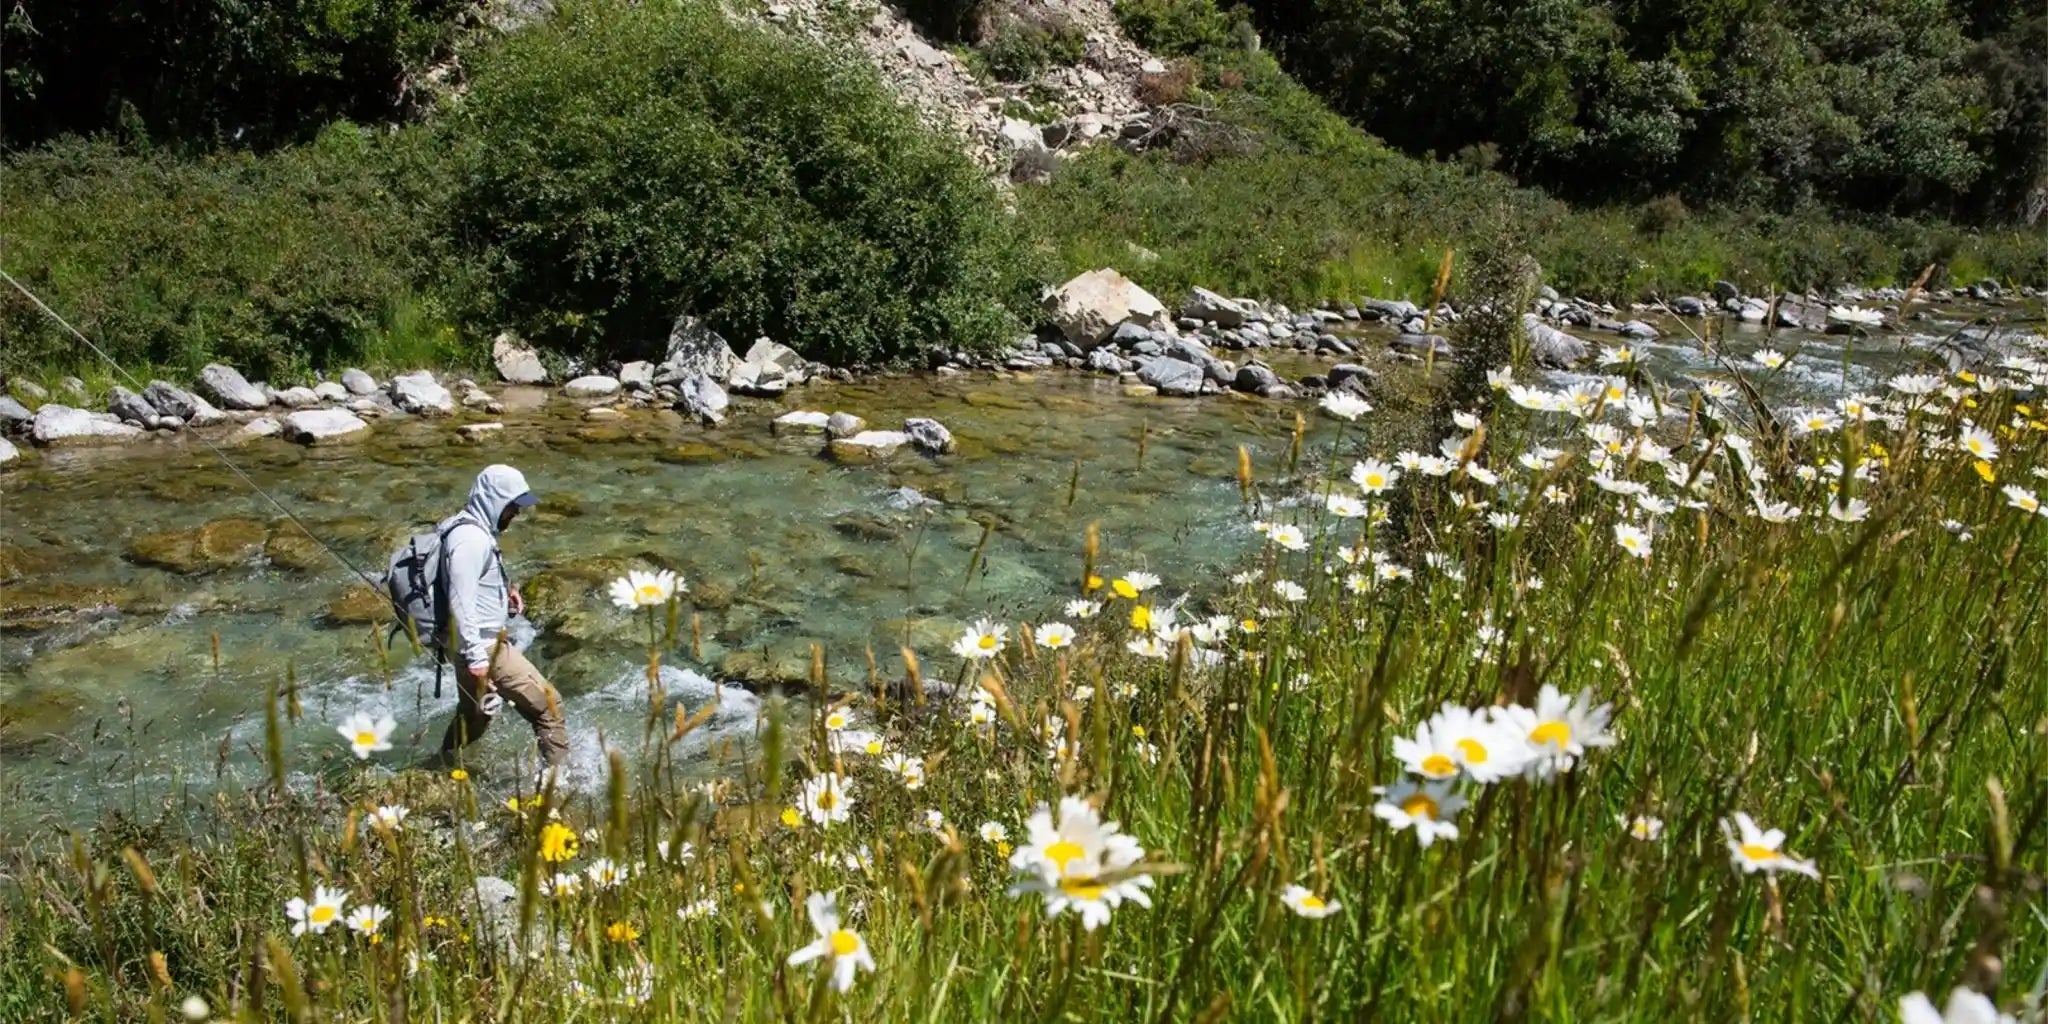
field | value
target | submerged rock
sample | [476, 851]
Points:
[321, 426]
[358, 605]
[928, 434]
[866, 446]
[209, 548]
[290, 548]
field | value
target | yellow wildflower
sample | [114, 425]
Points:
[557, 842]
[621, 931]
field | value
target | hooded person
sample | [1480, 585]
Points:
[490, 672]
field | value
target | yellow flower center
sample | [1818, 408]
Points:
[322, 913]
[1759, 854]
[1124, 589]
[1474, 751]
[1375, 480]
[1062, 852]
[1640, 829]
[987, 642]
[1083, 888]
[366, 739]
[1055, 640]
[1312, 903]
[874, 748]
[1631, 543]
[1552, 732]
[1438, 764]
[648, 595]
[1420, 805]
[827, 800]
[1249, 625]
[845, 943]
[835, 721]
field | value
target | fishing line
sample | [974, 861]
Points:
[372, 582]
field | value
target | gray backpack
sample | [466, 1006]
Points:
[419, 592]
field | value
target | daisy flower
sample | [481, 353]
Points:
[1055, 635]
[1079, 863]
[1485, 748]
[1288, 536]
[1141, 581]
[826, 798]
[391, 816]
[1344, 506]
[1424, 808]
[1964, 1007]
[983, 640]
[368, 921]
[1373, 476]
[644, 589]
[1560, 728]
[1756, 850]
[1768, 358]
[1344, 405]
[604, 874]
[843, 949]
[1645, 827]
[315, 915]
[1082, 608]
[562, 886]
[1307, 904]
[2022, 499]
[366, 735]
[1632, 540]
[993, 832]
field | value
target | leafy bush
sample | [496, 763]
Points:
[1020, 47]
[620, 166]
[278, 263]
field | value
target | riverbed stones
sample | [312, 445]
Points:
[701, 397]
[262, 426]
[844, 424]
[420, 394]
[1203, 304]
[331, 391]
[38, 603]
[298, 398]
[214, 546]
[227, 386]
[1252, 378]
[1638, 331]
[290, 548]
[517, 362]
[1552, 347]
[29, 390]
[131, 407]
[801, 421]
[8, 452]
[866, 446]
[171, 400]
[61, 426]
[358, 605]
[1090, 306]
[322, 426]
[1687, 305]
[637, 375]
[693, 349]
[770, 368]
[477, 432]
[928, 434]
[358, 383]
[592, 386]
[1170, 376]
[14, 416]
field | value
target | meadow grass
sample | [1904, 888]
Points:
[1834, 629]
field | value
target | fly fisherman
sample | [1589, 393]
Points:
[490, 672]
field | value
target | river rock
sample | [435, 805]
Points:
[298, 398]
[262, 426]
[1393, 310]
[592, 386]
[1203, 304]
[62, 426]
[866, 446]
[928, 434]
[214, 546]
[701, 396]
[319, 426]
[358, 383]
[637, 376]
[1090, 306]
[358, 605]
[231, 389]
[290, 548]
[8, 452]
[14, 415]
[1753, 311]
[420, 394]
[769, 368]
[1412, 342]
[1254, 379]
[330, 391]
[1172, 376]
[475, 432]
[1103, 360]
[29, 390]
[517, 362]
[693, 349]
[1550, 346]
[130, 406]
[1687, 305]
[1725, 291]
[172, 400]
[1638, 330]
[845, 424]
[801, 421]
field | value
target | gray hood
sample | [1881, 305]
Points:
[495, 488]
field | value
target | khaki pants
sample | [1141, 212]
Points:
[521, 685]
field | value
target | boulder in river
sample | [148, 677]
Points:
[1254, 378]
[131, 407]
[693, 349]
[1687, 305]
[770, 368]
[172, 400]
[928, 434]
[298, 398]
[420, 394]
[1173, 376]
[358, 383]
[8, 452]
[232, 390]
[1089, 307]
[844, 424]
[1203, 304]
[331, 391]
[1550, 346]
[517, 362]
[701, 396]
[1412, 342]
[320, 426]
[14, 415]
[866, 446]
[1102, 360]
[801, 421]
[592, 386]
[637, 376]
[63, 426]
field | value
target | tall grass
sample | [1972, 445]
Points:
[1868, 681]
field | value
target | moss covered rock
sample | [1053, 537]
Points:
[209, 548]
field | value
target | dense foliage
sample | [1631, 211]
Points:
[1898, 106]
[202, 72]
[620, 166]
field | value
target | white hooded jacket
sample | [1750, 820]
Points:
[475, 572]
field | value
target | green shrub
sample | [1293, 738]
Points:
[1019, 48]
[620, 166]
[278, 264]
